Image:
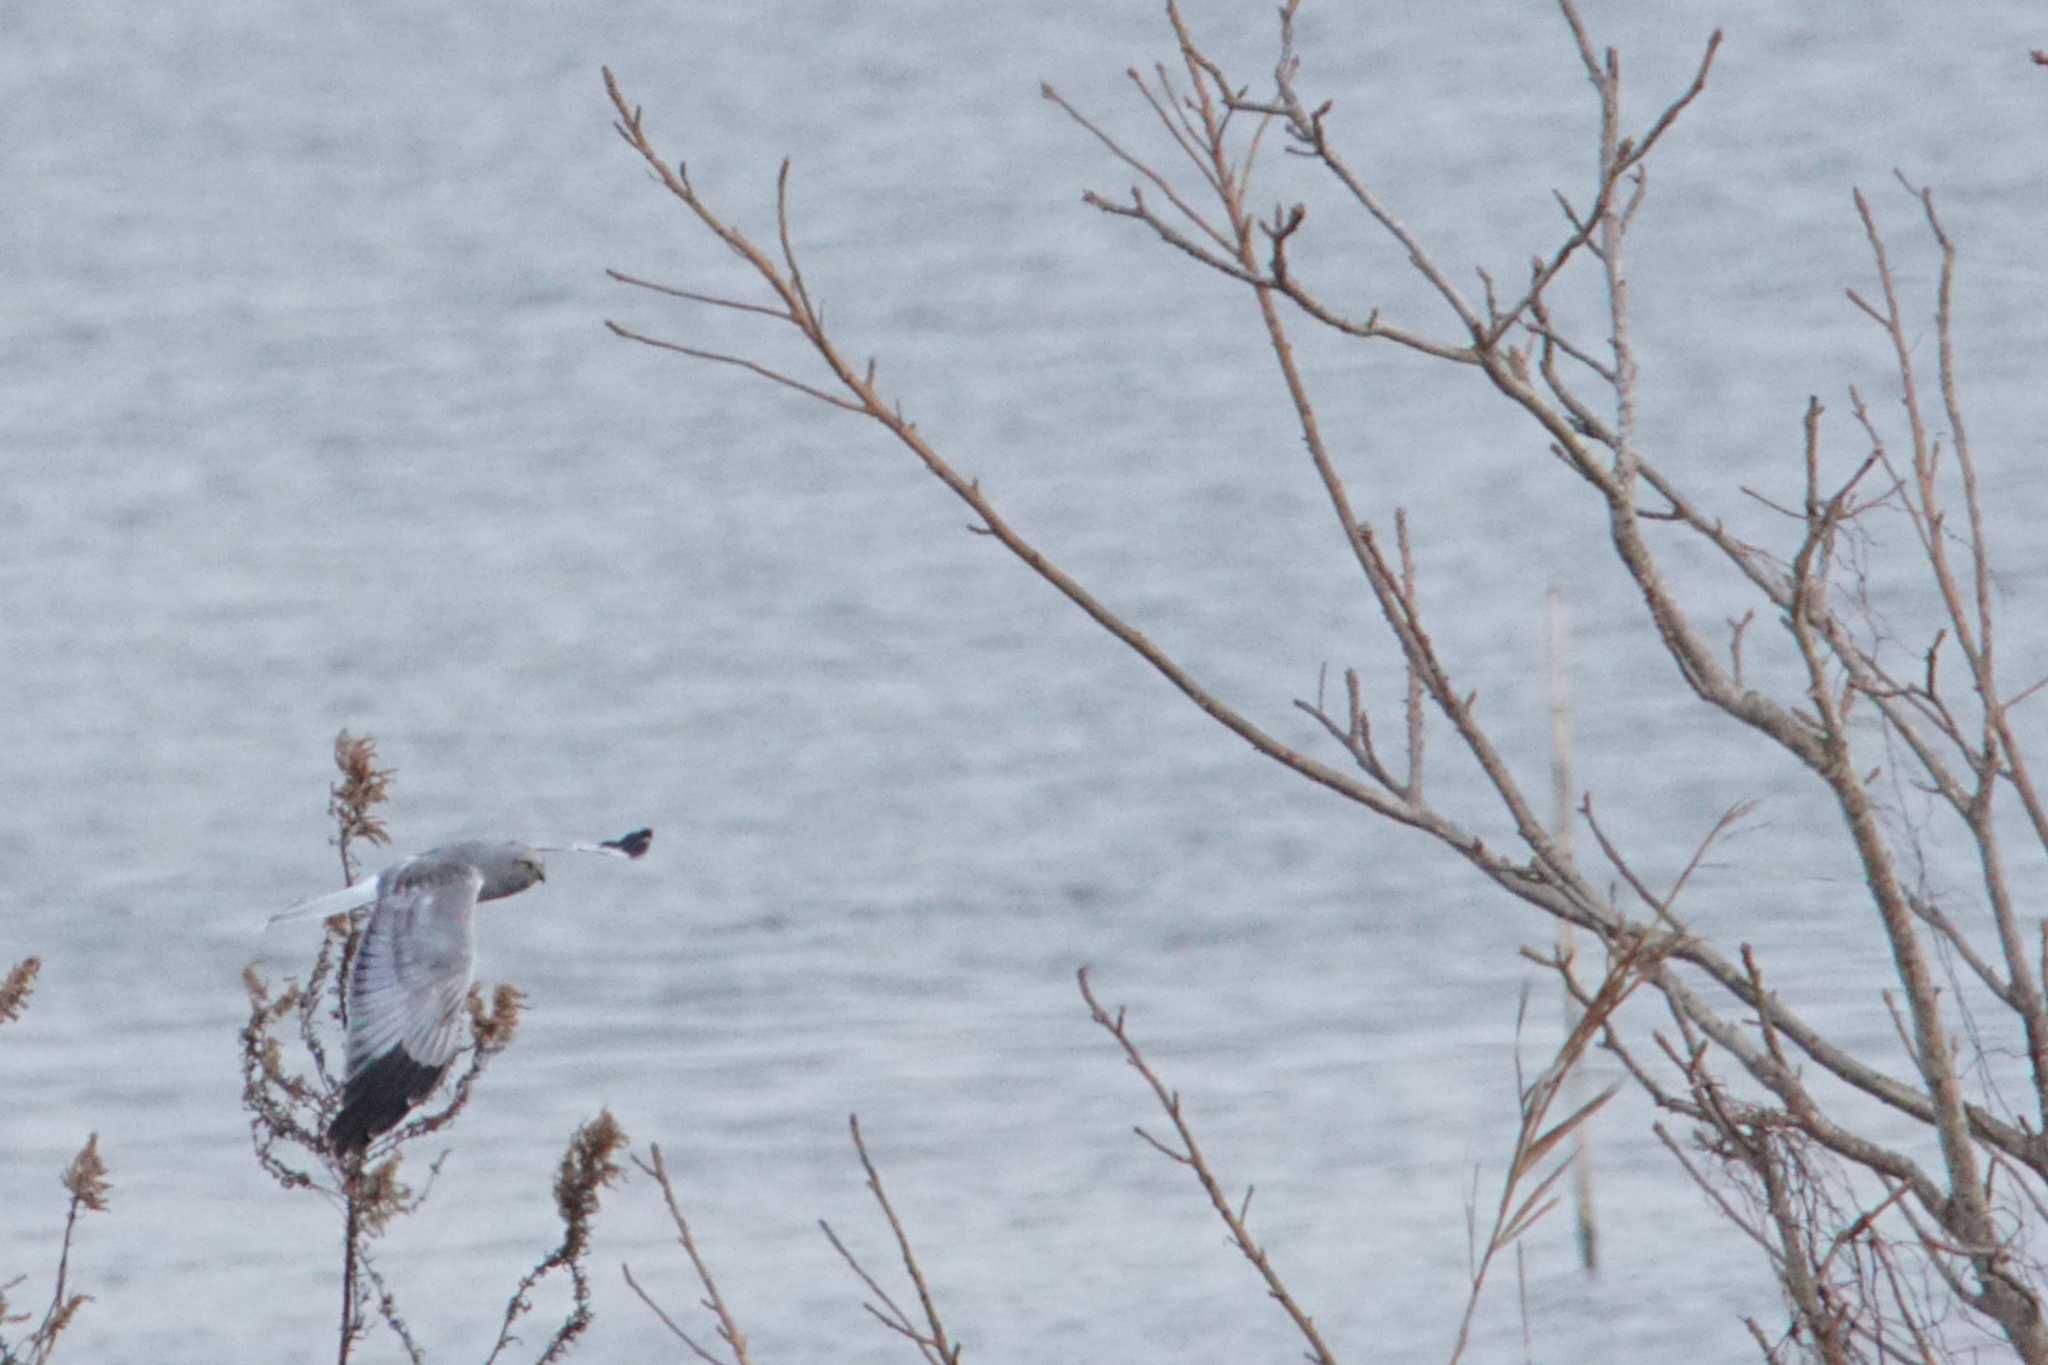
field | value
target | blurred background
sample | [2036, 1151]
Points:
[308, 420]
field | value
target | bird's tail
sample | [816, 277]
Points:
[333, 903]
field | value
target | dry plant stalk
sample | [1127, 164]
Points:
[85, 1180]
[353, 801]
[588, 1167]
[352, 804]
[18, 985]
[1558, 627]
[291, 1105]
[1955, 1220]
[1537, 1139]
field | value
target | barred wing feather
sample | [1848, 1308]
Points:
[406, 994]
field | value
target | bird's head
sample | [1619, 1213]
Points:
[509, 869]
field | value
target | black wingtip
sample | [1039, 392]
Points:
[350, 1132]
[377, 1097]
[632, 845]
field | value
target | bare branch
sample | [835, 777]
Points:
[721, 358]
[1157, 180]
[728, 1329]
[1193, 1158]
[931, 1340]
[716, 301]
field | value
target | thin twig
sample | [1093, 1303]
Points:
[728, 1329]
[947, 1350]
[1193, 1158]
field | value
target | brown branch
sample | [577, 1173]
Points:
[1116, 149]
[587, 1168]
[1547, 271]
[691, 295]
[864, 397]
[896, 1320]
[1308, 130]
[742, 362]
[728, 1329]
[667, 1321]
[946, 1350]
[1174, 238]
[1193, 1158]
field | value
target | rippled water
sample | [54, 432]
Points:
[307, 420]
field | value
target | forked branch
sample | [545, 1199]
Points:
[930, 1336]
[1190, 1154]
[713, 1302]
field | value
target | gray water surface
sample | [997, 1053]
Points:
[307, 420]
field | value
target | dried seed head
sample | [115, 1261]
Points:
[587, 1167]
[493, 1028]
[363, 787]
[380, 1196]
[86, 1176]
[15, 990]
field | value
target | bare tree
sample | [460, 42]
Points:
[1890, 1200]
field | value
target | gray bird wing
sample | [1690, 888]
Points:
[411, 976]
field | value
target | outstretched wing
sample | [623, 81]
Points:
[406, 993]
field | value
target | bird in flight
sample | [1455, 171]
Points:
[411, 976]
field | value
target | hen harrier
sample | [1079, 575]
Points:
[412, 973]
